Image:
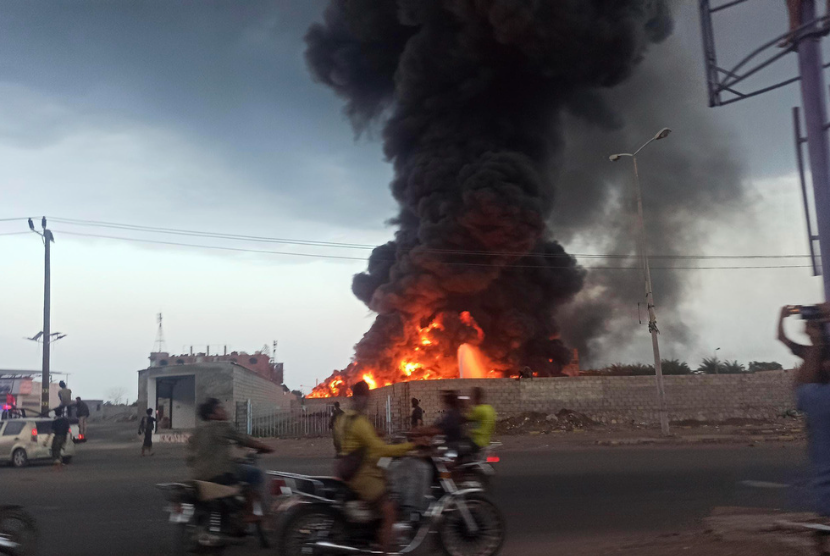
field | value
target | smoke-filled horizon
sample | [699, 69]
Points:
[478, 100]
[691, 182]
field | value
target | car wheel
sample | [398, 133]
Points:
[20, 458]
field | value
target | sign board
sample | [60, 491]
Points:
[25, 385]
[172, 437]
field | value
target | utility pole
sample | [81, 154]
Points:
[642, 244]
[48, 239]
[652, 315]
[815, 116]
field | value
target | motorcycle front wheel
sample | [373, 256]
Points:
[309, 525]
[458, 540]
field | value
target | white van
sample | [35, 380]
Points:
[30, 439]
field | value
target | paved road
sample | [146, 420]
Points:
[105, 503]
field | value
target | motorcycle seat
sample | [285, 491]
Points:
[207, 491]
[336, 489]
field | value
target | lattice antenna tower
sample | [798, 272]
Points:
[160, 346]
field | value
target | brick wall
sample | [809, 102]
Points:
[247, 385]
[762, 395]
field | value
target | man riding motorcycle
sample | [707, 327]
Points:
[356, 433]
[209, 451]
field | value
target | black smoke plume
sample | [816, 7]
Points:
[472, 97]
[693, 182]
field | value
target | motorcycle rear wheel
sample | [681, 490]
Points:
[456, 539]
[19, 527]
[308, 526]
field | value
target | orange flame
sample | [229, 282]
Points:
[369, 379]
[430, 354]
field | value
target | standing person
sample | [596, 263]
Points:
[60, 430]
[812, 382]
[483, 417]
[359, 438]
[417, 419]
[335, 414]
[9, 406]
[82, 411]
[64, 395]
[146, 427]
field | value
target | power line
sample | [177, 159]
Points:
[340, 257]
[197, 233]
[14, 233]
[13, 219]
[316, 243]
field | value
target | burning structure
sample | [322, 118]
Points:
[471, 95]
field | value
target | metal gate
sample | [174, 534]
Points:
[268, 421]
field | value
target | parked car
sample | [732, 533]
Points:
[20, 413]
[30, 439]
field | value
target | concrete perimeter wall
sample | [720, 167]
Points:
[763, 395]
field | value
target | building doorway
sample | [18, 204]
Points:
[176, 402]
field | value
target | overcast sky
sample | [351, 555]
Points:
[202, 116]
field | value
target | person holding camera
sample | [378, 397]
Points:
[812, 382]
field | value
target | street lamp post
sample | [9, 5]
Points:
[643, 248]
[717, 365]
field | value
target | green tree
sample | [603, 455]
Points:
[758, 366]
[631, 369]
[710, 366]
[732, 368]
[675, 367]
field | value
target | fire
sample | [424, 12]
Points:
[430, 351]
[370, 381]
[408, 367]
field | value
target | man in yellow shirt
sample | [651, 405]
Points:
[356, 432]
[483, 416]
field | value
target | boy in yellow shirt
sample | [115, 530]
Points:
[483, 416]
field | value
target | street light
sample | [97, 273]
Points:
[643, 248]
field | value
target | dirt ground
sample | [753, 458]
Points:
[693, 543]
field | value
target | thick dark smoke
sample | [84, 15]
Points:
[474, 96]
[692, 182]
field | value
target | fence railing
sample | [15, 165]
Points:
[300, 422]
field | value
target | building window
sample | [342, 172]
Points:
[179, 361]
[163, 363]
[252, 360]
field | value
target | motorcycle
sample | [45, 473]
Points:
[208, 517]
[321, 515]
[479, 470]
[18, 532]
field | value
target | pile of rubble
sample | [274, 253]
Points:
[534, 422]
